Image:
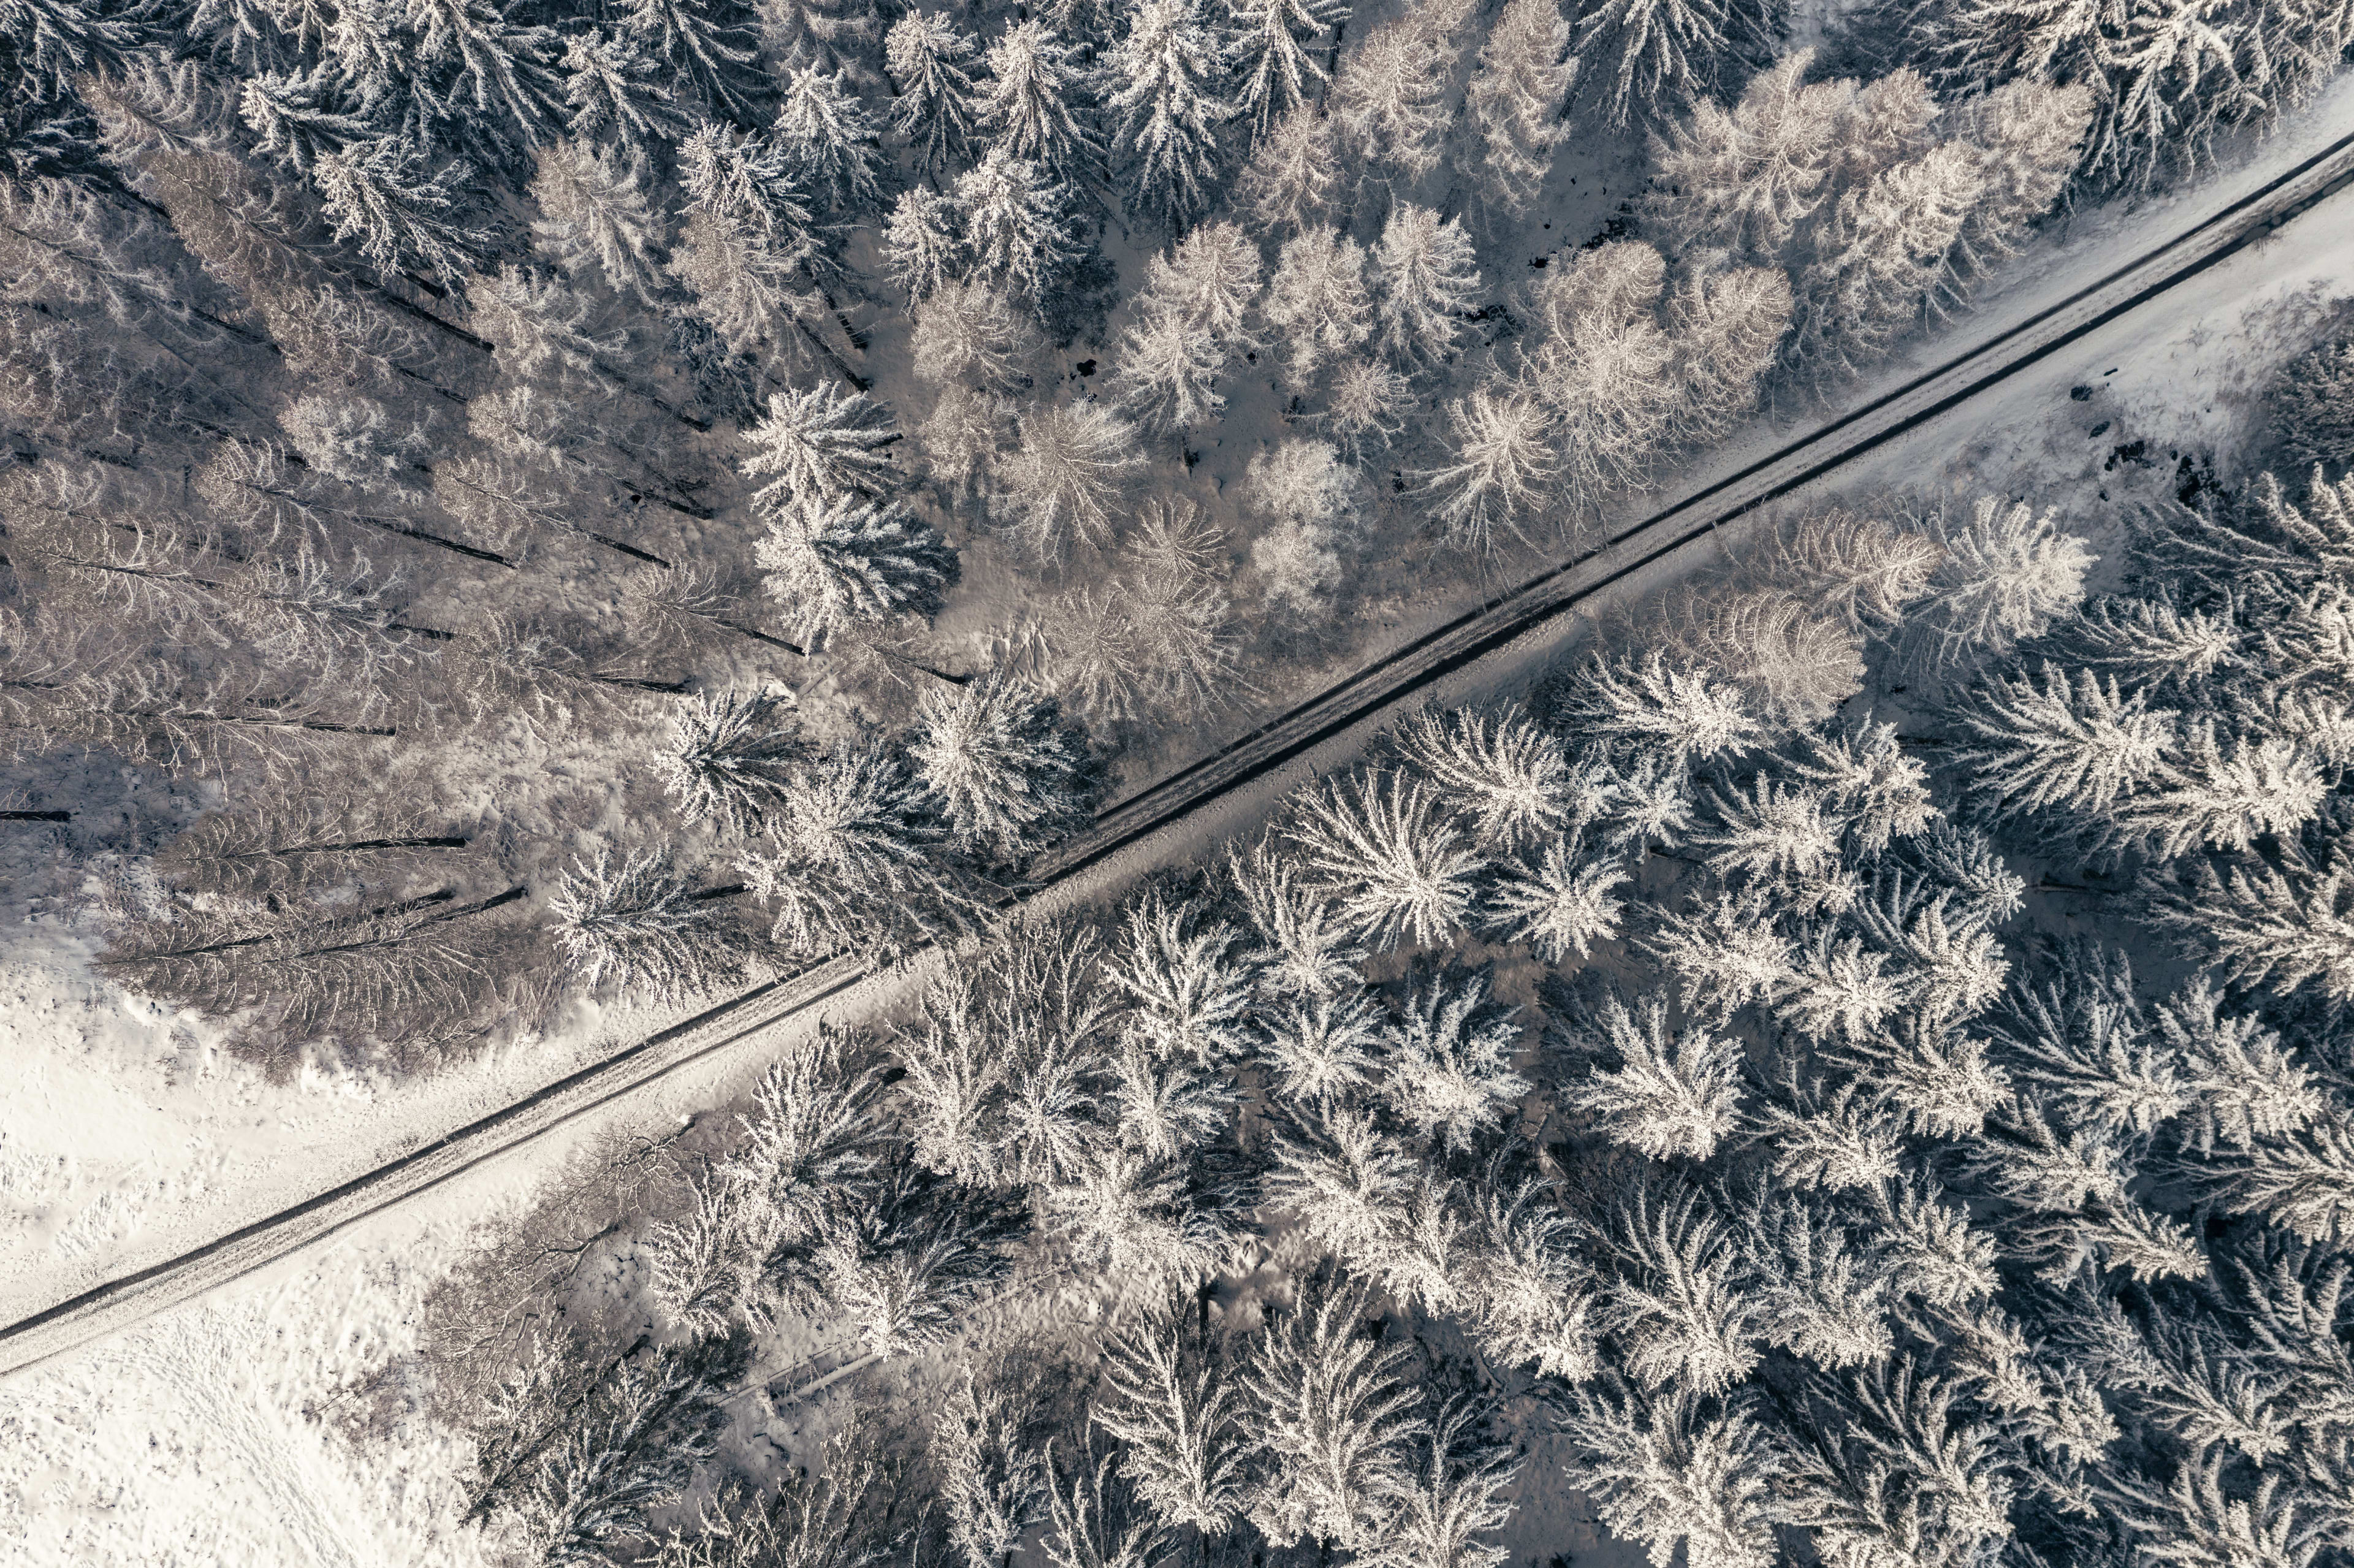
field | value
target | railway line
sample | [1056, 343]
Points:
[1530, 613]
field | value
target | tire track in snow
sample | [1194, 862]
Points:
[1535, 610]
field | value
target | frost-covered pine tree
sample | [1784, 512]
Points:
[728, 757]
[593, 213]
[699, 48]
[1017, 222]
[1169, 368]
[1427, 279]
[380, 195]
[971, 334]
[1515, 99]
[922, 250]
[1645, 705]
[1387, 852]
[2007, 573]
[1501, 439]
[843, 560]
[1070, 477]
[1883, 259]
[818, 444]
[1451, 1073]
[1453, 1500]
[1288, 183]
[1269, 43]
[1037, 105]
[1642, 61]
[1005, 770]
[1673, 1470]
[1390, 99]
[826, 128]
[1680, 1305]
[1332, 1418]
[1319, 302]
[936, 108]
[1674, 1093]
[635, 922]
[993, 1484]
[1169, 1395]
[1165, 102]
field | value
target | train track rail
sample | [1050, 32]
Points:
[1534, 608]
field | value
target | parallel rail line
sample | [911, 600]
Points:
[1534, 606]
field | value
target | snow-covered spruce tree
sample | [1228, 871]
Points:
[1427, 279]
[1744, 178]
[1674, 1092]
[1319, 302]
[1192, 317]
[1305, 948]
[1005, 770]
[2007, 574]
[1727, 329]
[1515, 99]
[1270, 41]
[1390, 96]
[1390, 855]
[969, 333]
[994, 1485]
[1453, 1499]
[1170, 1396]
[921, 249]
[611, 92]
[845, 561]
[817, 444]
[729, 756]
[637, 923]
[627, 1456]
[826, 130]
[1638, 706]
[1328, 1413]
[909, 1257]
[1346, 1180]
[1644, 61]
[1449, 1074]
[1071, 475]
[850, 856]
[1018, 223]
[699, 49]
[1673, 1468]
[1503, 441]
[1500, 769]
[1601, 365]
[2163, 86]
[1679, 1305]
[593, 213]
[828, 1518]
[1288, 183]
[1093, 1518]
[380, 195]
[937, 109]
[1165, 102]
[1037, 105]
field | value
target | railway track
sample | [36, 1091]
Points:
[1535, 607]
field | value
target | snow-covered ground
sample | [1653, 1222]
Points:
[213, 1435]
